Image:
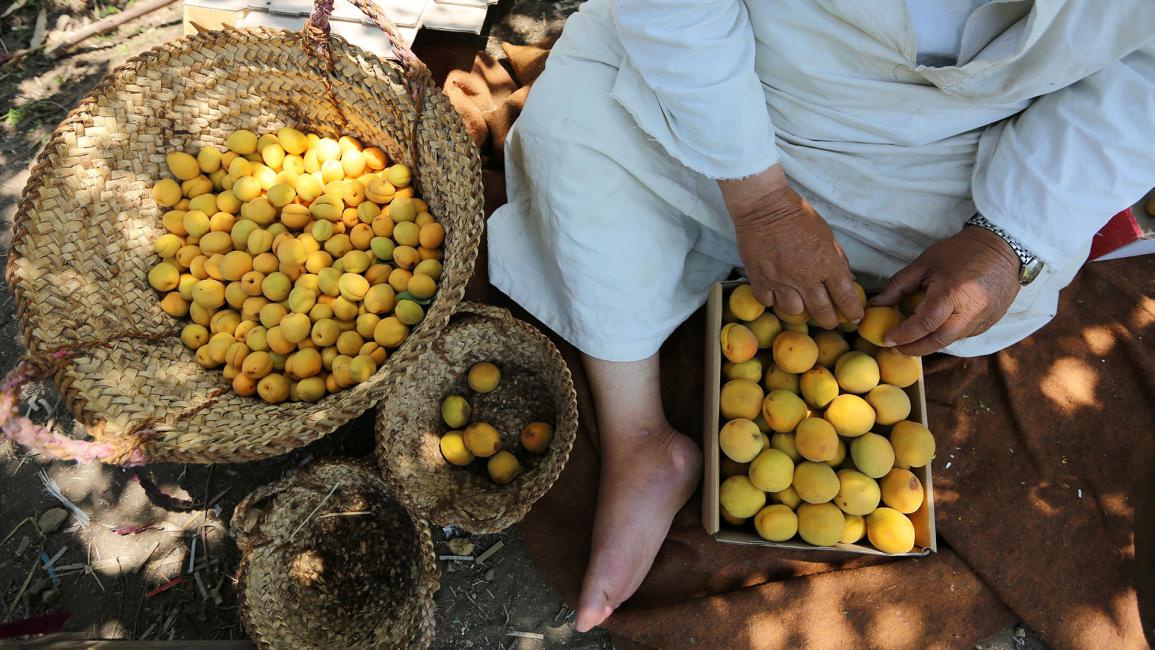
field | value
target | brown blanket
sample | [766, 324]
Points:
[1043, 485]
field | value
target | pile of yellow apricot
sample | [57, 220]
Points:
[300, 260]
[816, 422]
[467, 440]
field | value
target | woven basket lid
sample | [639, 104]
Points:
[83, 235]
[536, 385]
[330, 560]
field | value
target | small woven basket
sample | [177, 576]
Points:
[83, 236]
[536, 385]
[330, 560]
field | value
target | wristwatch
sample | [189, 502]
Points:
[1031, 266]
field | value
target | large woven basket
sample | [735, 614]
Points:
[536, 385]
[84, 232]
[330, 560]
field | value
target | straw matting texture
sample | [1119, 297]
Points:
[83, 236]
[535, 386]
[343, 580]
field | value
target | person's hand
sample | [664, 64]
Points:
[790, 253]
[970, 281]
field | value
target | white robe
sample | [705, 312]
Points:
[1045, 126]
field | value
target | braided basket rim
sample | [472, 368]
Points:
[392, 443]
[424, 590]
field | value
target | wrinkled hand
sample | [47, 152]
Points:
[789, 251]
[970, 281]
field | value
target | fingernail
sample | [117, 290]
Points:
[888, 343]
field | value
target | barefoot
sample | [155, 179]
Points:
[645, 479]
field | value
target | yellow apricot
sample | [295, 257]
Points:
[744, 305]
[455, 411]
[536, 437]
[242, 142]
[375, 159]
[778, 379]
[353, 287]
[776, 523]
[901, 490]
[784, 442]
[729, 518]
[503, 467]
[432, 235]
[831, 346]
[820, 524]
[872, 455]
[788, 497]
[850, 414]
[740, 440]
[783, 410]
[209, 293]
[166, 193]
[891, 404]
[738, 343]
[482, 439]
[858, 494]
[771, 471]
[913, 444]
[423, 287]
[741, 398]
[856, 372]
[765, 328]
[276, 286]
[815, 482]
[854, 529]
[273, 388]
[483, 377]
[740, 497]
[795, 352]
[878, 322]
[380, 299]
[749, 370]
[818, 387]
[453, 448]
[174, 305]
[890, 531]
[196, 223]
[182, 165]
[897, 368]
[816, 439]
[390, 332]
[164, 276]
[206, 203]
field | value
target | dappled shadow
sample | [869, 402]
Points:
[136, 545]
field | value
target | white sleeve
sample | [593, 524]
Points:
[689, 81]
[1053, 175]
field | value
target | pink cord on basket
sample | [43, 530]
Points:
[42, 441]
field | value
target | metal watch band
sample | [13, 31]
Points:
[1031, 266]
[1025, 256]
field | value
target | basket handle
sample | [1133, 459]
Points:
[48, 443]
[317, 30]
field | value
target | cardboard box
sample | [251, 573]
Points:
[711, 514]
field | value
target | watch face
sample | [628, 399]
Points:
[1030, 271]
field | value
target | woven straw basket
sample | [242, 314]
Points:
[330, 560]
[84, 233]
[536, 385]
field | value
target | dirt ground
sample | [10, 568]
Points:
[147, 568]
